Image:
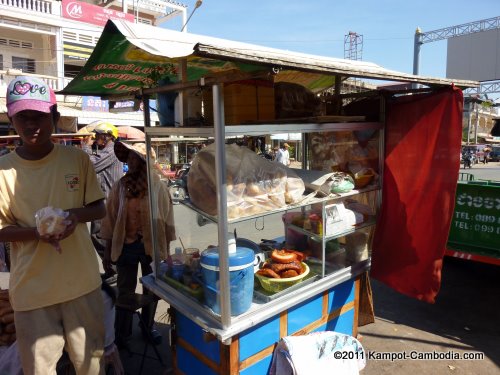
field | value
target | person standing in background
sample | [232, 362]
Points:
[283, 155]
[55, 295]
[108, 168]
[127, 230]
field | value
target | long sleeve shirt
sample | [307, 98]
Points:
[108, 168]
[114, 225]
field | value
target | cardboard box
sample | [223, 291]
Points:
[244, 102]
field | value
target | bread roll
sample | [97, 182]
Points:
[253, 189]
[51, 221]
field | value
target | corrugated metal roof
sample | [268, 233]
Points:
[126, 53]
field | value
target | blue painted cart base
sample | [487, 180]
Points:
[250, 353]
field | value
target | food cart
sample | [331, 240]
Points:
[249, 90]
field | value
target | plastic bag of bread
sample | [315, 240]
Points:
[50, 220]
[254, 184]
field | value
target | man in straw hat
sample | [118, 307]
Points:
[283, 155]
[126, 228]
[56, 295]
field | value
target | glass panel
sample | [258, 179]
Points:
[332, 231]
[344, 151]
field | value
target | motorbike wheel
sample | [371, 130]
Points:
[177, 193]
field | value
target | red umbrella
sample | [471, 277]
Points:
[129, 132]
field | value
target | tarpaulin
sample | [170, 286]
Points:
[422, 159]
[129, 57]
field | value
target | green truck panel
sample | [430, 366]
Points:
[475, 226]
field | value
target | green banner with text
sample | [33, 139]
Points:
[476, 220]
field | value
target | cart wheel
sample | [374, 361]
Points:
[177, 193]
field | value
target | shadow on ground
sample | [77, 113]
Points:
[465, 317]
[132, 359]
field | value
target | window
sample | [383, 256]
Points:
[1, 62]
[23, 63]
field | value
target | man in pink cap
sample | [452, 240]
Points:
[55, 295]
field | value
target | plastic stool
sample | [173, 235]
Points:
[132, 303]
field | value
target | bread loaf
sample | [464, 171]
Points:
[254, 184]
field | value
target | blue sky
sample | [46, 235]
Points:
[318, 26]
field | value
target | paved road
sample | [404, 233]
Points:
[490, 171]
[465, 318]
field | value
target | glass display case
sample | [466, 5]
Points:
[332, 228]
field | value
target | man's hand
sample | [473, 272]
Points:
[54, 239]
[71, 222]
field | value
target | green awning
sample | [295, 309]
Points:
[129, 57]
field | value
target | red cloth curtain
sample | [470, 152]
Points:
[422, 159]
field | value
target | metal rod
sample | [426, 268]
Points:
[469, 119]
[381, 151]
[220, 172]
[196, 6]
[476, 124]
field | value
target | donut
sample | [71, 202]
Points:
[283, 256]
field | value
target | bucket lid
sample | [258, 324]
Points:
[242, 257]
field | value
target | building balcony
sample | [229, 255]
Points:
[155, 8]
[39, 6]
[9, 75]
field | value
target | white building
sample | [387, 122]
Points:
[53, 39]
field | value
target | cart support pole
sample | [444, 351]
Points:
[220, 171]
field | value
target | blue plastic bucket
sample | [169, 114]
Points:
[241, 279]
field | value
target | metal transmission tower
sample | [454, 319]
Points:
[353, 50]
[453, 31]
[353, 46]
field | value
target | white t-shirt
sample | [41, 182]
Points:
[283, 157]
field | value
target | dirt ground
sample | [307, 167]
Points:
[465, 318]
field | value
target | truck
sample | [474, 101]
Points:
[475, 227]
[494, 154]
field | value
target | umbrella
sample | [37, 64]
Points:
[129, 132]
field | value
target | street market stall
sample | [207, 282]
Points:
[233, 303]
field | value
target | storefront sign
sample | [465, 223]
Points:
[84, 12]
[94, 104]
[77, 51]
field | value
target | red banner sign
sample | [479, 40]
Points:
[84, 12]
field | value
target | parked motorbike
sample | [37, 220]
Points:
[468, 160]
[178, 185]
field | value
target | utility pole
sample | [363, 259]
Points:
[416, 50]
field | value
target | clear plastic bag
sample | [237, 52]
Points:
[51, 221]
[254, 184]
